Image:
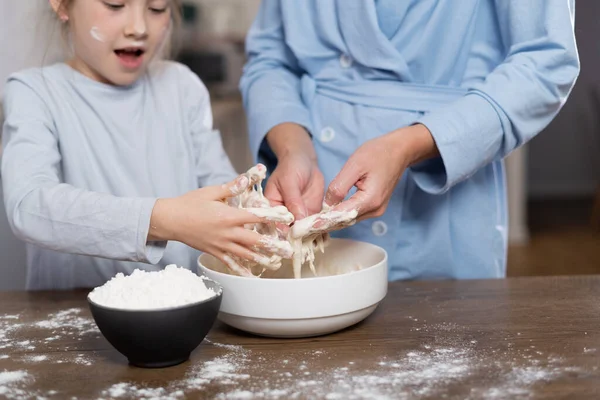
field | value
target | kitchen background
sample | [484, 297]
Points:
[554, 181]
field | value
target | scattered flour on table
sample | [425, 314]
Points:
[82, 359]
[36, 359]
[68, 324]
[142, 290]
[65, 324]
[11, 384]
[125, 390]
[424, 373]
[68, 320]
[15, 385]
[447, 359]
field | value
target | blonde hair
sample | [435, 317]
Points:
[169, 49]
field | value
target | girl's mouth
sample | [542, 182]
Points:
[131, 57]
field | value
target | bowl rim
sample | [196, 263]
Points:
[383, 261]
[172, 308]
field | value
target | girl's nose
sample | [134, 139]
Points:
[136, 27]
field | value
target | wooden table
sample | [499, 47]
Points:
[513, 338]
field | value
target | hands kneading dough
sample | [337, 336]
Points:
[302, 239]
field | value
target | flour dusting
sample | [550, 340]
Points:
[428, 371]
[68, 321]
[445, 361]
[125, 390]
[11, 383]
[36, 359]
[66, 324]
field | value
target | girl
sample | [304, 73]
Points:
[103, 155]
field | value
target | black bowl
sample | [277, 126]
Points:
[158, 338]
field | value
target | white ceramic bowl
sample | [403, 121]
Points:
[352, 281]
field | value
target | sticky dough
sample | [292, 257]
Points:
[302, 240]
[306, 238]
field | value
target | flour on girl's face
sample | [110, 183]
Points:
[96, 34]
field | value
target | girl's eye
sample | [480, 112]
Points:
[158, 10]
[114, 7]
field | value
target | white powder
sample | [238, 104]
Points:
[443, 363]
[142, 290]
[225, 346]
[68, 320]
[36, 359]
[81, 359]
[66, 324]
[241, 394]
[427, 372]
[447, 360]
[11, 382]
[8, 377]
[127, 390]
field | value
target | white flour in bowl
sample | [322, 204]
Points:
[142, 290]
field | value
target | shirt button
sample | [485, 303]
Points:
[327, 134]
[345, 61]
[379, 228]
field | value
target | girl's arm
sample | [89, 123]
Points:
[41, 209]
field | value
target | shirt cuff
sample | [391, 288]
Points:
[468, 135]
[262, 122]
[148, 251]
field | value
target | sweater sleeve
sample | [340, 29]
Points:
[43, 210]
[518, 99]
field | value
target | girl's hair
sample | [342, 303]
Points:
[169, 49]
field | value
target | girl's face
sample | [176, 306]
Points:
[114, 40]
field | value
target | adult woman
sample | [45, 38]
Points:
[415, 104]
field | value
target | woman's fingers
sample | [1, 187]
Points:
[324, 222]
[339, 187]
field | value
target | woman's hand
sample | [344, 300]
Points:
[376, 167]
[202, 220]
[297, 182]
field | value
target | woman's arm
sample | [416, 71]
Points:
[270, 83]
[514, 102]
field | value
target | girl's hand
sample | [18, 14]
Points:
[202, 220]
[376, 167]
